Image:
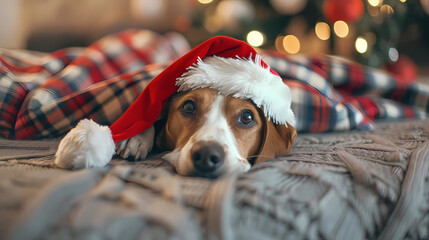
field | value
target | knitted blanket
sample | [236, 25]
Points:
[360, 185]
[46, 94]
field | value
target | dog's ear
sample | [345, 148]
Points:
[160, 143]
[277, 141]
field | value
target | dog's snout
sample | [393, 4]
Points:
[207, 157]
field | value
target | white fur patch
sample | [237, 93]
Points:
[245, 79]
[216, 129]
[87, 145]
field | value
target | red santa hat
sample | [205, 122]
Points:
[230, 66]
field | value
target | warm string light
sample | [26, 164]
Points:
[341, 29]
[205, 1]
[387, 10]
[323, 31]
[377, 7]
[279, 44]
[255, 38]
[361, 44]
[375, 3]
[380, 10]
[291, 44]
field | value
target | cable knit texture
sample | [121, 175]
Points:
[355, 185]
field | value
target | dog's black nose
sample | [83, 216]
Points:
[207, 156]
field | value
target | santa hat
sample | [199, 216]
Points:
[230, 66]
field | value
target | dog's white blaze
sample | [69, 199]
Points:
[215, 128]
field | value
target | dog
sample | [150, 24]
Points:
[208, 135]
[216, 110]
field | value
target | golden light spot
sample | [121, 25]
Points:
[341, 29]
[255, 38]
[361, 45]
[386, 10]
[205, 1]
[291, 44]
[323, 31]
[375, 3]
[279, 44]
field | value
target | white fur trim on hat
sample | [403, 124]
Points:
[242, 78]
[87, 145]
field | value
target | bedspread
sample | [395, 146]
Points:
[360, 185]
[46, 94]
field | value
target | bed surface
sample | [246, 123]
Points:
[346, 184]
[351, 185]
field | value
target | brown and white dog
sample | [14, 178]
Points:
[210, 134]
[217, 110]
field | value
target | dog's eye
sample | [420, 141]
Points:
[246, 118]
[188, 107]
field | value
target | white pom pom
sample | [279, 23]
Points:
[87, 145]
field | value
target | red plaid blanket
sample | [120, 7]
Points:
[45, 95]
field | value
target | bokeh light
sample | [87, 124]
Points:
[375, 3]
[205, 1]
[393, 54]
[323, 31]
[361, 45]
[255, 38]
[291, 44]
[341, 29]
[279, 44]
[387, 10]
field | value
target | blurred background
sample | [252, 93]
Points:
[389, 34]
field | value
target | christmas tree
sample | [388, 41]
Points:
[372, 32]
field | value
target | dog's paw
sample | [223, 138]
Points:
[137, 147]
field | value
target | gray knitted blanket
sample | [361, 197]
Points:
[355, 185]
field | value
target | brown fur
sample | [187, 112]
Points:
[264, 140]
[278, 140]
[248, 140]
[178, 129]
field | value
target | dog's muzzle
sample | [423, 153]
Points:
[207, 157]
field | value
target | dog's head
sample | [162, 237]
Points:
[210, 134]
[208, 124]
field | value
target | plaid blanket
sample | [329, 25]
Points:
[46, 94]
